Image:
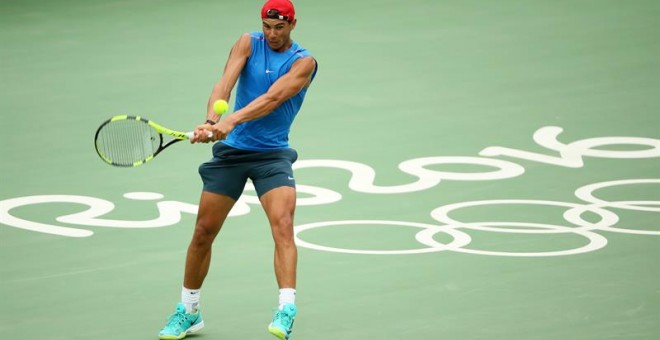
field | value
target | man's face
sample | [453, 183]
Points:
[277, 33]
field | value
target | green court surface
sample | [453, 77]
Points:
[467, 170]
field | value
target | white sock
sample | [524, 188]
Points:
[190, 298]
[287, 295]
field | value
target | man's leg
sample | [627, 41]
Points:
[213, 210]
[280, 205]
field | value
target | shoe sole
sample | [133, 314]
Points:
[192, 329]
[277, 332]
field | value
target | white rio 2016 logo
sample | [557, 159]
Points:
[362, 180]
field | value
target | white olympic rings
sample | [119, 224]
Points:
[456, 229]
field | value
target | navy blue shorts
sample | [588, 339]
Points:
[229, 169]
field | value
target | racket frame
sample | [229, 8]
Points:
[177, 135]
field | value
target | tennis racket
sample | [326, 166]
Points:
[130, 141]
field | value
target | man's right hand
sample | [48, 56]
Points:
[201, 134]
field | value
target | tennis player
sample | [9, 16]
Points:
[273, 73]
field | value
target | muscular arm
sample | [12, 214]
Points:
[238, 56]
[284, 88]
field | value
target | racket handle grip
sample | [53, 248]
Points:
[190, 134]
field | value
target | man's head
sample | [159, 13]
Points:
[278, 18]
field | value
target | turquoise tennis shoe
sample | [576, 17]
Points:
[181, 324]
[282, 323]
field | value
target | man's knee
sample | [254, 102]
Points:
[282, 228]
[204, 234]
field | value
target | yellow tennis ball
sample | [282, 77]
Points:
[220, 106]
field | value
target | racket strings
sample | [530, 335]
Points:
[125, 142]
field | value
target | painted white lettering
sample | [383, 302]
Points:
[570, 155]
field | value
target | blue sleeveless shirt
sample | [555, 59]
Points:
[262, 69]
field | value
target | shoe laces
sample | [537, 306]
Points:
[284, 317]
[177, 318]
